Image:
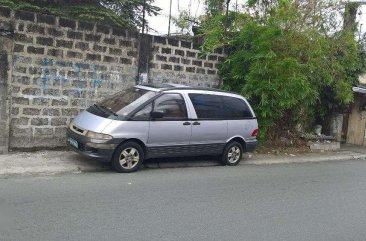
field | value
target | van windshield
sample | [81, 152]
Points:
[122, 103]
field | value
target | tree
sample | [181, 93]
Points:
[290, 58]
[184, 22]
[122, 13]
[214, 7]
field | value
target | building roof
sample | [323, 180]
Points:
[359, 89]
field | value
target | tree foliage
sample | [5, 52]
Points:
[122, 13]
[184, 22]
[290, 58]
[214, 7]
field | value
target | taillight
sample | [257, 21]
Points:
[255, 132]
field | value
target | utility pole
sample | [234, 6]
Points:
[141, 63]
[170, 16]
[227, 15]
[143, 17]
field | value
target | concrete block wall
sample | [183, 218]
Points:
[362, 79]
[61, 66]
[180, 61]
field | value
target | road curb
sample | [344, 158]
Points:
[288, 160]
[48, 163]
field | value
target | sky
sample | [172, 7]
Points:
[159, 24]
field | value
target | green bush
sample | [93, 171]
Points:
[292, 66]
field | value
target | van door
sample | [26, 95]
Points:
[210, 128]
[170, 134]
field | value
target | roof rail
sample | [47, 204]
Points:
[171, 86]
[163, 85]
[201, 88]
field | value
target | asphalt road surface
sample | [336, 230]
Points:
[294, 202]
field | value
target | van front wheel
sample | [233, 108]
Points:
[232, 154]
[128, 157]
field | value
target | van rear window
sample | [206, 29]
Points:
[220, 107]
[235, 108]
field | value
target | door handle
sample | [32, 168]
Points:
[187, 123]
[196, 123]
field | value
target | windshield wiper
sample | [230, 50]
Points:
[105, 109]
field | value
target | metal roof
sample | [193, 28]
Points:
[359, 89]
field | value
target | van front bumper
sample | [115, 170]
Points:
[102, 150]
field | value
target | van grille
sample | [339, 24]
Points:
[77, 130]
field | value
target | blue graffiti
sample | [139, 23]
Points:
[96, 82]
[79, 72]
[59, 78]
[78, 92]
[45, 75]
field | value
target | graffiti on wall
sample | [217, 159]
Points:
[82, 71]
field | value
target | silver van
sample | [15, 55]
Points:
[165, 121]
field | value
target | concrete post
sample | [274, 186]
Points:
[144, 58]
[6, 46]
[336, 125]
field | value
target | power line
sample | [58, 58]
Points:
[199, 3]
[189, 7]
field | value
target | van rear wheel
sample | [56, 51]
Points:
[232, 154]
[128, 157]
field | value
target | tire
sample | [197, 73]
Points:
[128, 157]
[232, 154]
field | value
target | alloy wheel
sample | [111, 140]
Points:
[233, 154]
[129, 158]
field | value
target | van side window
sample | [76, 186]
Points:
[207, 106]
[143, 114]
[236, 108]
[172, 106]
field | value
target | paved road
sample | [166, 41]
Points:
[294, 202]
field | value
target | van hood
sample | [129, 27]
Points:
[91, 122]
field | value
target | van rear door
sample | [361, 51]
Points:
[209, 128]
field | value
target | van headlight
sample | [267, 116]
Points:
[99, 136]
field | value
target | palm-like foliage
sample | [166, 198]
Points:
[121, 13]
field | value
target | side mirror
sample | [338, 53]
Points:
[156, 115]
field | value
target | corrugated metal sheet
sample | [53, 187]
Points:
[361, 90]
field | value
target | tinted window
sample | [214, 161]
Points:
[207, 106]
[143, 114]
[236, 108]
[171, 105]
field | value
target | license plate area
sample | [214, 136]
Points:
[73, 142]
